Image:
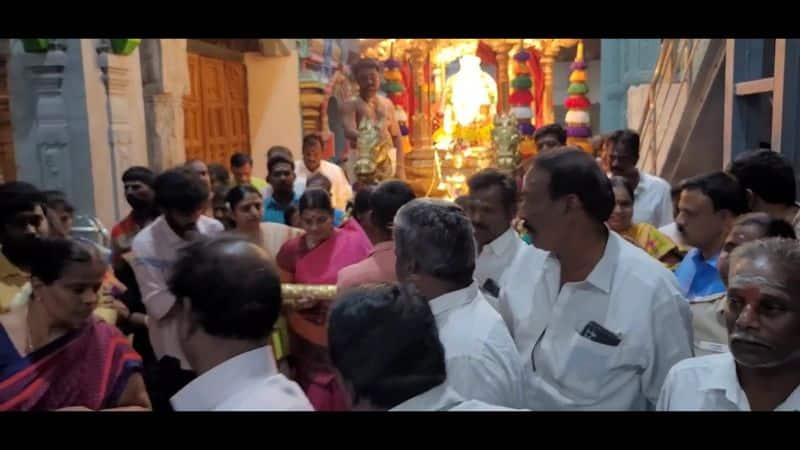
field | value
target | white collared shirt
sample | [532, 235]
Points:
[155, 249]
[247, 382]
[444, 398]
[710, 383]
[482, 362]
[496, 257]
[628, 293]
[652, 201]
[341, 190]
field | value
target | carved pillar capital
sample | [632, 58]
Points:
[50, 124]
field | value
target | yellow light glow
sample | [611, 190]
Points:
[469, 93]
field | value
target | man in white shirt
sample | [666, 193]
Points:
[435, 251]
[652, 201]
[762, 372]
[597, 321]
[229, 298]
[312, 163]
[182, 196]
[493, 204]
[383, 342]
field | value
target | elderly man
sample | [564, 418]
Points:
[708, 318]
[597, 322]
[762, 371]
[382, 365]
[435, 251]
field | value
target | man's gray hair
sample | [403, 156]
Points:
[782, 252]
[438, 237]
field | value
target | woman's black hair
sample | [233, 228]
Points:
[53, 255]
[236, 194]
[315, 199]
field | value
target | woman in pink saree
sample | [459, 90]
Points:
[53, 353]
[316, 258]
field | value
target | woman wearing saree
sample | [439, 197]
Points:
[643, 235]
[53, 353]
[316, 258]
[246, 210]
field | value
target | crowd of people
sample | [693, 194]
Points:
[578, 282]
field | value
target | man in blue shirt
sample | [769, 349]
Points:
[281, 178]
[708, 206]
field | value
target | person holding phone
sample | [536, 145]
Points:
[596, 321]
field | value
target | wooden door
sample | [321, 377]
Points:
[216, 114]
[8, 167]
[193, 113]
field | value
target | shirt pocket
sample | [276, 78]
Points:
[586, 366]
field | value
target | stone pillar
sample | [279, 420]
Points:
[165, 80]
[78, 122]
[45, 160]
[115, 69]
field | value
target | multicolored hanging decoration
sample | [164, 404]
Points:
[579, 130]
[520, 101]
[394, 87]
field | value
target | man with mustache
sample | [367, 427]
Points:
[138, 183]
[181, 196]
[22, 222]
[708, 206]
[493, 204]
[708, 318]
[652, 199]
[762, 371]
[596, 321]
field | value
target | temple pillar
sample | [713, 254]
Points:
[75, 122]
[165, 81]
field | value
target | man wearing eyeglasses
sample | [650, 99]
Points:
[652, 202]
[22, 222]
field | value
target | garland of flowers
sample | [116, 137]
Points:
[579, 130]
[520, 100]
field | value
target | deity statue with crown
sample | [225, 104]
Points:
[469, 101]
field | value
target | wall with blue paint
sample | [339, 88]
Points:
[624, 63]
